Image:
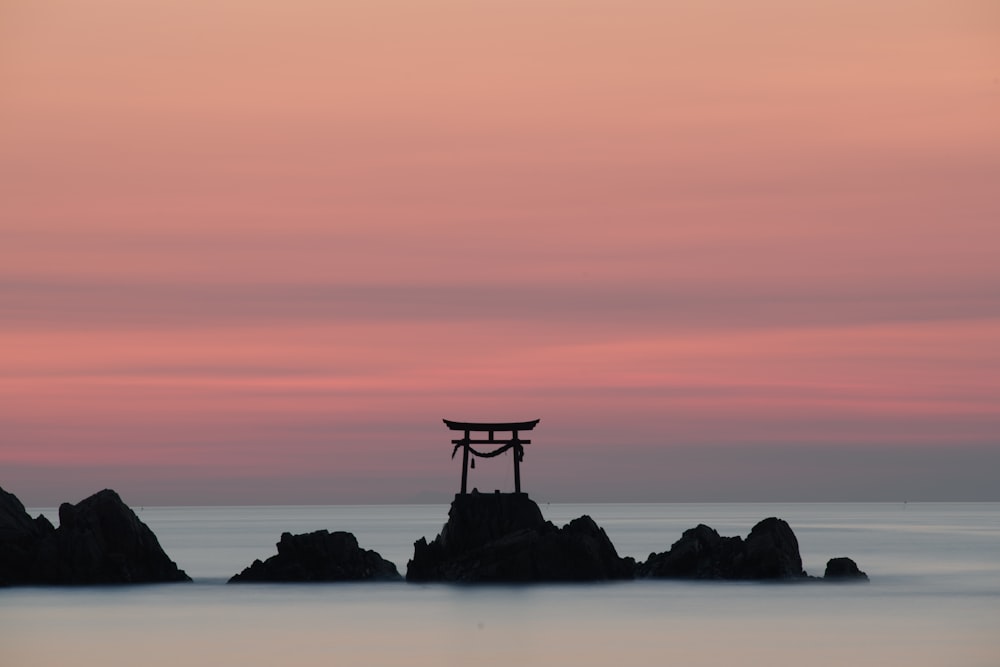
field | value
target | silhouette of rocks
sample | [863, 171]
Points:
[99, 541]
[504, 538]
[320, 556]
[20, 536]
[843, 569]
[770, 552]
[700, 553]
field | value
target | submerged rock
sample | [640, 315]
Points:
[770, 551]
[320, 556]
[100, 540]
[504, 538]
[843, 569]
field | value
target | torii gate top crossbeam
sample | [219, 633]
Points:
[487, 426]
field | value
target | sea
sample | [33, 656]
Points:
[933, 599]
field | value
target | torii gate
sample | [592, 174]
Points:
[513, 442]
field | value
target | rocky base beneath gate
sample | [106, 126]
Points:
[504, 538]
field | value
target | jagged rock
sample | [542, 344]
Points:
[504, 538]
[843, 569]
[100, 540]
[320, 556]
[770, 551]
[15, 520]
[20, 536]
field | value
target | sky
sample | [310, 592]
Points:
[253, 252]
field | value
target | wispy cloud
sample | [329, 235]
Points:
[682, 238]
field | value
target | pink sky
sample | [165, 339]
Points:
[253, 252]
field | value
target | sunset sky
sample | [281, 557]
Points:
[254, 251]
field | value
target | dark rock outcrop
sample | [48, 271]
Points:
[700, 553]
[770, 552]
[504, 538]
[20, 536]
[843, 569]
[99, 541]
[320, 556]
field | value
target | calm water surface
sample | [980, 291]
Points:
[934, 599]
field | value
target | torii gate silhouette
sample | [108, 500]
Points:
[492, 428]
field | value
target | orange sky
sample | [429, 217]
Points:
[254, 251]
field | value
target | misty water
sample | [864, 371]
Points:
[933, 600]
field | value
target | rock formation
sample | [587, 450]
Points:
[99, 541]
[770, 552]
[843, 569]
[504, 538]
[487, 538]
[320, 556]
[20, 536]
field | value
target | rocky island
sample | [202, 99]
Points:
[319, 556]
[497, 537]
[769, 553]
[502, 537]
[99, 540]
